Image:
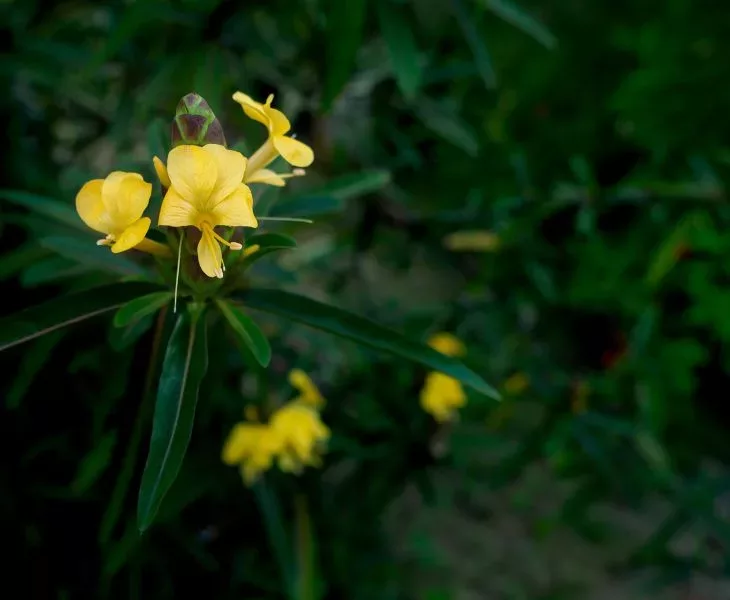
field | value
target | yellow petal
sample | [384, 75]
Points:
[447, 344]
[293, 151]
[254, 110]
[161, 171]
[230, 166]
[176, 211]
[132, 235]
[309, 392]
[279, 123]
[193, 173]
[210, 256]
[237, 444]
[266, 176]
[91, 208]
[125, 196]
[236, 210]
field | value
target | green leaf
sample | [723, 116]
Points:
[476, 44]
[121, 338]
[33, 360]
[38, 320]
[361, 330]
[401, 44]
[48, 207]
[94, 464]
[514, 15]
[85, 252]
[345, 27]
[354, 185]
[308, 206]
[267, 243]
[183, 368]
[446, 123]
[247, 331]
[140, 307]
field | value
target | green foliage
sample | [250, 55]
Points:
[588, 141]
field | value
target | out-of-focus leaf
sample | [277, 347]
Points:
[344, 324]
[20, 259]
[669, 251]
[85, 252]
[94, 464]
[43, 318]
[141, 307]
[354, 185]
[514, 15]
[48, 207]
[267, 243]
[401, 43]
[476, 43]
[345, 25]
[446, 123]
[247, 331]
[121, 338]
[308, 206]
[52, 268]
[183, 368]
[33, 359]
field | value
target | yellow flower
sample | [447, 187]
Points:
[516, 384]
[302, 435]
[441, 396]
[206, 191]
[447, 344]
[253, 447]
[293, 151]
[114, 207]
[308, 392]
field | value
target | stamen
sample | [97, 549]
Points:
[269, 100]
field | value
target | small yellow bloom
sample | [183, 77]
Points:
[447, 344]
[114, 207]
[442, 396]
[293, 151]
[253, 447]
[309, 394]
[302, 434]
[516, 384]
[206, 191]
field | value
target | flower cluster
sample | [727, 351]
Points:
[294, 436]
[441, 395]
[205, 185]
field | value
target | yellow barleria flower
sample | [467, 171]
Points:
[447, 344]
[292, 151]
[206, 191]
[441, 396]
[252, 447]
[309, 394]
[114, 207]
[302, 435]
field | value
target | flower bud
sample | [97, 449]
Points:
[195, 123]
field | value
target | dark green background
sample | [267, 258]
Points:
[591, 136]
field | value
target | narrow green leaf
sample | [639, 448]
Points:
[33, 360]
[267, 243]
[140, 307]
[48, 207]
[183, 368]
[308, 206]
[38, 320]
[445, 122]
[476, 44]
[514, 15]
[345, 26]
[85, 252]
[247, 331]
[354, 185]
[121, 338]
[94, 464]
[404, 55]
[361, 330]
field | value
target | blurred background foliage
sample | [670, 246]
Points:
[586, 143]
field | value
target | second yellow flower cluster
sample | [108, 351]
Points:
[294, 436]
[204, 187]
